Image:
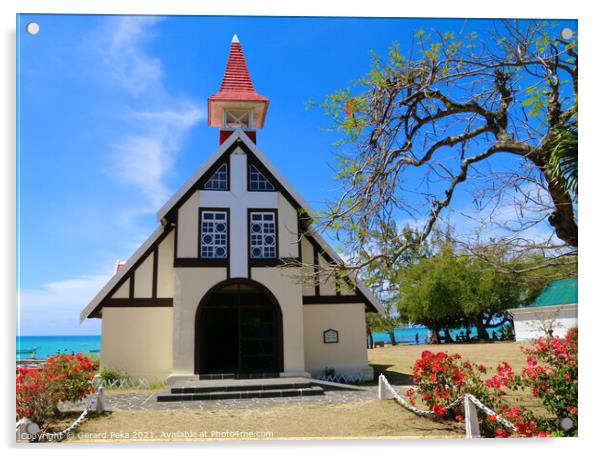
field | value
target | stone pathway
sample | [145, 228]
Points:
[140, 401]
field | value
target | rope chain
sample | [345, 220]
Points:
[456, 402]
[89, 404]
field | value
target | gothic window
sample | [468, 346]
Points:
[214, 234]
[263, 235]
[219, 180]
[257, 181]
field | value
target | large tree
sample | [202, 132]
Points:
[490, 116]
[451, 290]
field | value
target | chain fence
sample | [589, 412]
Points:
[343, 378]
[25, 434]
[121, 383]
[385, 391]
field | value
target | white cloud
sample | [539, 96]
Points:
[154, 122]
[54, 307]
[121, 41]
[143, 159]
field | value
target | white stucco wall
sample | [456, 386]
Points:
[143, 278]
[188, 227]
[123, 291]
[288, 230]
[165, 267]
[287, 290]
[137, 341]
[530, 323]
[190, 285]
[349, 355]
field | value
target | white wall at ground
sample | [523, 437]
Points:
[137, 341]
[532, 323]
[349, 355]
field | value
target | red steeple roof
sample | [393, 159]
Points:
[237, 84]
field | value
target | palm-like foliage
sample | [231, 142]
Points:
[563, 161]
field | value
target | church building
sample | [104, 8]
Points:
[216, 288]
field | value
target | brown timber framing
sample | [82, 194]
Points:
[332, 299]
[130, 275]
[303, 221]
[172, 215]
[338, 298]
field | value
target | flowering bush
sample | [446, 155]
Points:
[551, 375]
[34, 401]
[62, 378]
[442, 378]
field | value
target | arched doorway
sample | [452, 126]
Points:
[238, 329]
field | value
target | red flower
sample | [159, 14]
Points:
[501, 433]
[438, 409]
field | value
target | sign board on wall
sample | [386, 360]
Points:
[331, 336]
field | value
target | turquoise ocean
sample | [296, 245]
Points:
[46, 346]
[407, 335]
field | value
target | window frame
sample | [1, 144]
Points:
[213, 261]
[212, 173]
[267, 176]
[263, 261]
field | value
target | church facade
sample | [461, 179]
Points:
[217, 287]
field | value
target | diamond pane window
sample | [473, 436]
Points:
[257, 181]
[219, 180]
[214, 235]
[263, 235]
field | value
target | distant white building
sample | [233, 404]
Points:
[553, 311]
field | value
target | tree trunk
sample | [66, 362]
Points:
[370, 341]
[482, 330]
[392, 337]
[448, 338]
[562, 218]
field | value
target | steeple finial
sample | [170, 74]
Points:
[236, 96]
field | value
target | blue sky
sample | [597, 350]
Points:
[112, 120]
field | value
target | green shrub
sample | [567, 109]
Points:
[109, 375]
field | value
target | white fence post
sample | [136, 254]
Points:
[22, 434]
[100, 403]
[383, 392]
[471, 418]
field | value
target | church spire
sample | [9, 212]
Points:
[237, 104]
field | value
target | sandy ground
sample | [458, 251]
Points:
[396, 361]
[369, 419]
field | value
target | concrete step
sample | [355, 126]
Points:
[234, 385]
[213, 376]
[241, 394]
